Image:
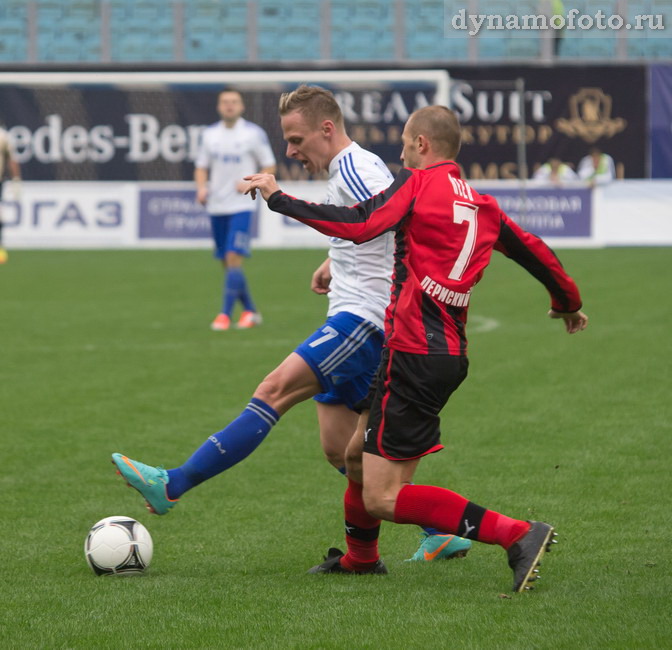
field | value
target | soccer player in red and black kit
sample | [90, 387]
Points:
[445, 235]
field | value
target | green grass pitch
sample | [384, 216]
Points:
[111, 351]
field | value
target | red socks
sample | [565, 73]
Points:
[361, 531]
[426, 505]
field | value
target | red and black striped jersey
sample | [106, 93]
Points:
[445, 235]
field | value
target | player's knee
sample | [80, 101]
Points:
[271, 391]
[233, 260]
[353, 461]
[378, 504]
[334, 456]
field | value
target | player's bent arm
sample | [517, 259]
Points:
[201, 180]
[540, 261]
[14, 169]
[321, 279]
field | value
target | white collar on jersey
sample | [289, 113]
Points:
[334, 164]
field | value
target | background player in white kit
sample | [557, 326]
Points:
[335, 364]
[229, 149]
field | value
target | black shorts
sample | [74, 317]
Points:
[405, 400]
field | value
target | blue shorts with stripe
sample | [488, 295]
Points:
[231, 232]
[344, 354]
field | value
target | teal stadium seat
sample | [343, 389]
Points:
[288, 30]
[495, 43]
[216, 31]
[51, 9]
[427, 37]
[362, 30]
[522, 47]
[588, 48]
[650, 43]
[13, 46]
[650, 48]
[492, 47]
[13, 31]
[68, 32]
[141, 31]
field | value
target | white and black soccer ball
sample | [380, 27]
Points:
[118, 546]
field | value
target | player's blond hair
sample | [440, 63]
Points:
[440, 126]
[316, 104]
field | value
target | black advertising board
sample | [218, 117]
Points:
[102, 131]
[568, 110]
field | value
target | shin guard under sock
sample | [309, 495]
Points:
[426, 505]
[225, 448]
[361, 530]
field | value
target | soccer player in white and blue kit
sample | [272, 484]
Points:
[231, 149]
[335, 364]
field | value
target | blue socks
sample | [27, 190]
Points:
[433, 531]
[225, 448]
[235, 288]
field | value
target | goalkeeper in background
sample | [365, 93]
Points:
[8, 163]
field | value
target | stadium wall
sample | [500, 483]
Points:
[164, 215]
[107, 156]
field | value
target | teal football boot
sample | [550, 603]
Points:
[150, 481]
[440, 547]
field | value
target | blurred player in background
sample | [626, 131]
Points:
[597, 167]
[230, 149]
[8, 163]
[555, 172]
[445, 233]
[336, 364]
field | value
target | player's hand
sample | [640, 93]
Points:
[574, 321]
[322, 278]
[202, 195]
[265, 183]
[241, 187]
[13, 188]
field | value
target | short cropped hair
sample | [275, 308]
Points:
[229, 90]
[314, 103]
[440, 126]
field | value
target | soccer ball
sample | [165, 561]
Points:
[118, 546]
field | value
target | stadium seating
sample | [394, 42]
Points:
[362, 30]
[68, 32]
[13, 31]
[649, 43]
[141, 30]
[288, 30]
[216, 31]
[429, 34]
[91, 31]
[587, 47]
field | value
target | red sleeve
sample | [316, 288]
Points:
[538, 259]
[360, 222]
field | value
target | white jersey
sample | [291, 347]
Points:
[230, 154]
[361, 274]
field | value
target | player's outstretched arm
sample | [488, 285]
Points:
[360, 222]
[574, 321]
